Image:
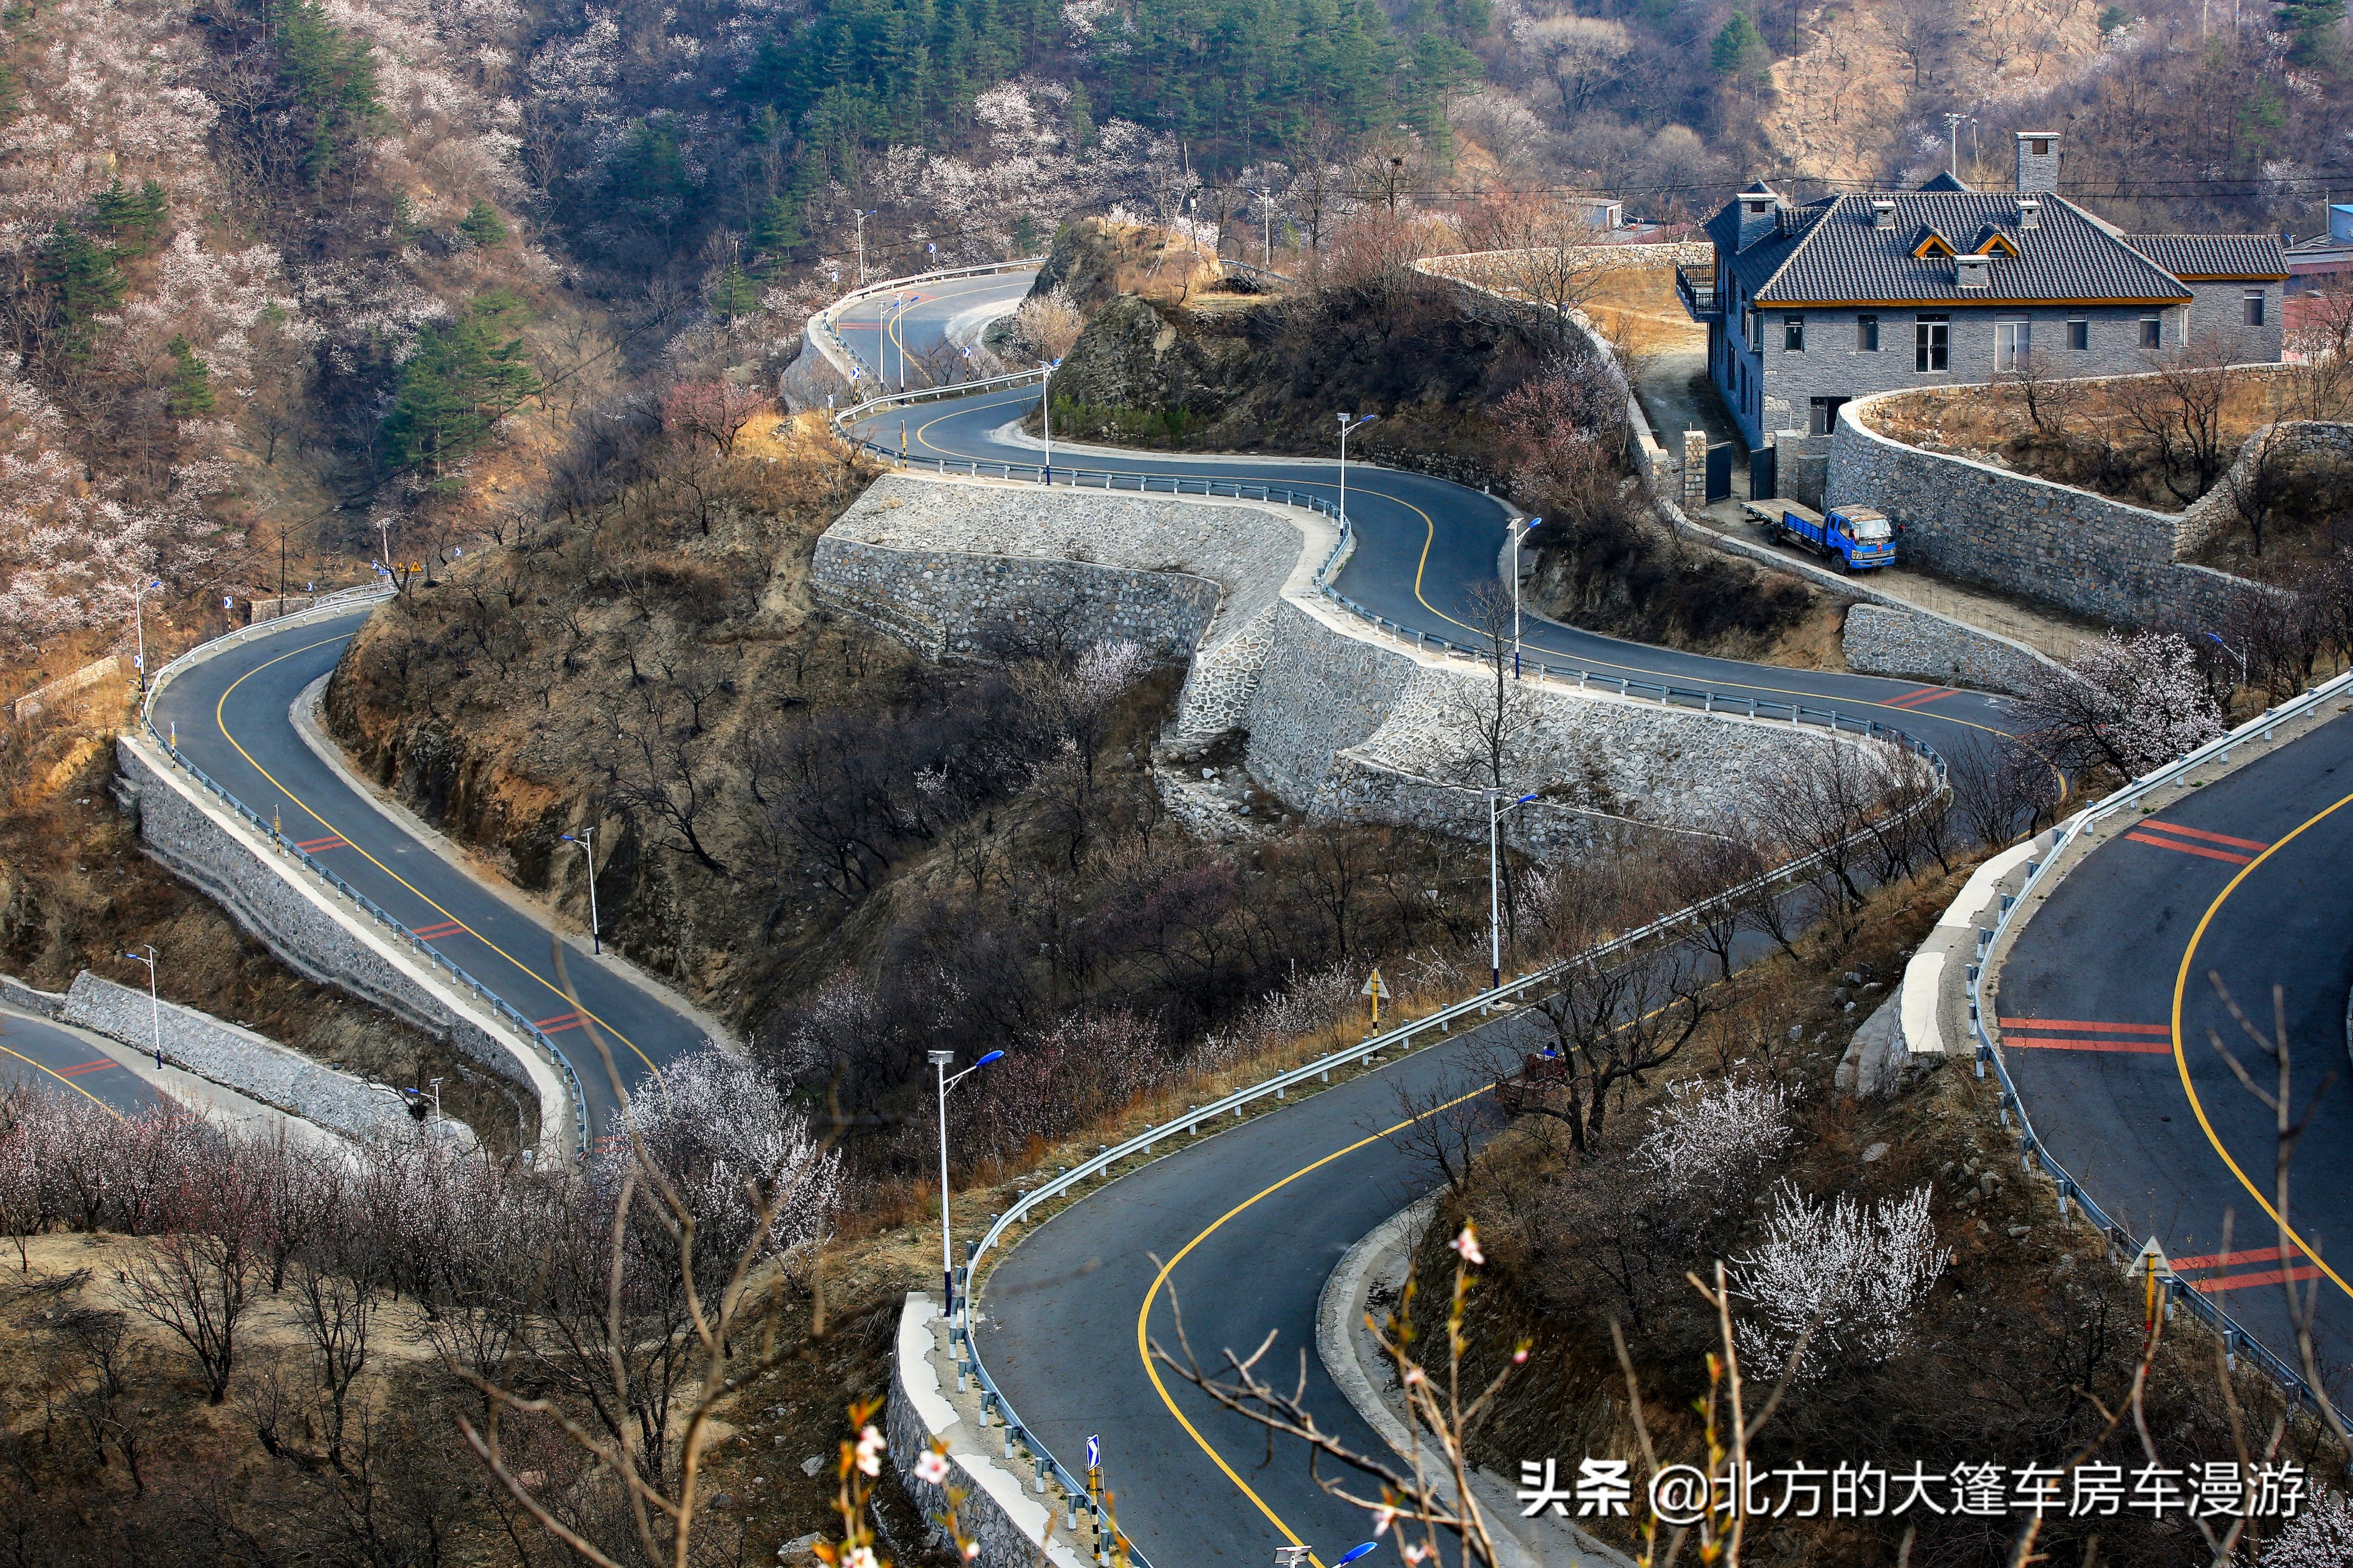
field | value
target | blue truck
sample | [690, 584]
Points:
[1857, 537]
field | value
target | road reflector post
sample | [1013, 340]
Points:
[1040, 1484]
[1012, 1438]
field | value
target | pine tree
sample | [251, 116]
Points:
[778, 228]
[484, 227]
[332, 74]
[191, 383]
[131, 221]
[82, 283]
[464, 378]
[2317, 29]
[1739, 50]
[733, 293]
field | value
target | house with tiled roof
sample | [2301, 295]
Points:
[1814, 305]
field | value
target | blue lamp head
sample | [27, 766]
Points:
[1356, 1551]
[991, 1056]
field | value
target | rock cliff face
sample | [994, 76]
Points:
[1096, 260]
[1131, 357]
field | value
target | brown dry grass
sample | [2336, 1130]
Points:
[1989, 423]
[1638, 309]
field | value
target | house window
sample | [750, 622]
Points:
[2079, 334]
[2041, 145]
[2013, 343]
[2152, 331]
[1866, 334]
[1793, 335]
[2252, 307]
[1931, 342]
[1821, 415]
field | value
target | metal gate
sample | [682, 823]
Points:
[1719, 473]
[1764, 473]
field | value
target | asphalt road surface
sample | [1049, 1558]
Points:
[1240, 1230]
[232, 714]
[2107, 999]
[34, 1050]
[892, 342]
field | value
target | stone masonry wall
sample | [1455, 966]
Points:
[1881, 641]
[256, 1067]
[297, 923]
[1965, 519]
[1341, 722]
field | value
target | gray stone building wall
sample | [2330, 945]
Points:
[312, 937]
[2219, 310]
[1960, 518]
[1832, 365]
[258, 1068]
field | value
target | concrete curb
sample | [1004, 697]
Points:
[305, 714]
[1011, 1522]
[1349, 1354]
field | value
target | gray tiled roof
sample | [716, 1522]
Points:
[1840, 254]
[2214, 255]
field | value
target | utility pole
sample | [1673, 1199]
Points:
[1953, 126]
[1495, 809]
[139, 613]
[861, 243]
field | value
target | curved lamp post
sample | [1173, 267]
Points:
[940, 1061]
[1495, 809]
[1348, 422]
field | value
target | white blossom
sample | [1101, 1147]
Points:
[1856, 1274]
[2320, 1536]
[1710, 1140]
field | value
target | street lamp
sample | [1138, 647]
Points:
[940, 1061]
[1495, 809]
[139, 613]
[154, 1007]
[1046, 408]
[1348, 422]
[861, 243]
[2241, 651]
[1518, 528]
[1266, 212]
[587, 841]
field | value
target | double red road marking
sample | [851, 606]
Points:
[318, 846]
[1920, 698]
[98, 1066]
[436, 932]
[2195, 841]
[2215, 1263]
[2080, 1034]
[560, 1023]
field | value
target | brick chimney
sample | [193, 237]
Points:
[2037, 163]
[1760, 213]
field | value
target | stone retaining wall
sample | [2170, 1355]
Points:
[1341, 722]
[1001, 1513]
[1961, 518]
[1878, 640]
[256, 1067]
[17, 994]
[316, 936]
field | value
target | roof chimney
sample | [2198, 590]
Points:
[2030, 214]
[1969, 273]
[1882, 214]
[1760, 213]
[2037, 163]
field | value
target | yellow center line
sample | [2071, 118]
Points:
[66, 1081]
[1429, 537]
[1144, 1314]
[221, 721]
[2181, 1059]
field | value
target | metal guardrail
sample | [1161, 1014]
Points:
[1706, 700]
[505, 1011]
[2032, 1151]
[825, 317]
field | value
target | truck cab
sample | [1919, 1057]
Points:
[1863, 537]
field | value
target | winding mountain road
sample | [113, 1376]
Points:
[2106, 1001]
[1245, 1228]
[231, 715]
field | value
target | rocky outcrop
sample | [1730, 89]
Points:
[1131, 357]
[1095, 260]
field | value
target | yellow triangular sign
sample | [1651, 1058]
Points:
[1375, 985]
[2150, 1253]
